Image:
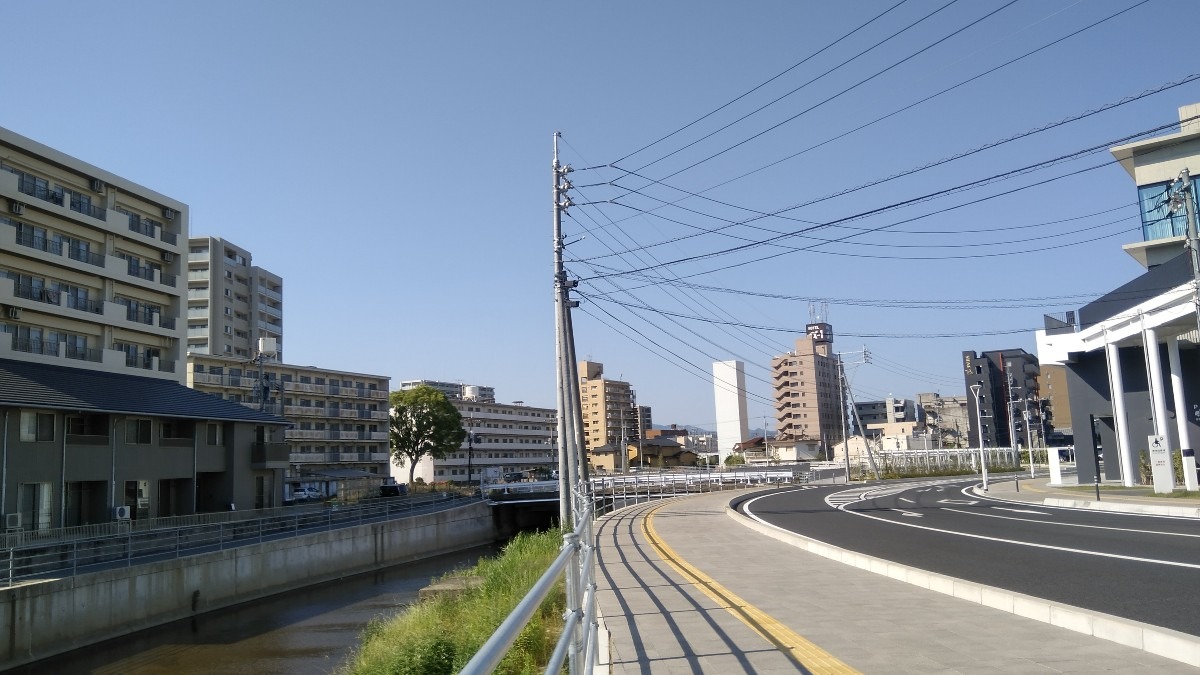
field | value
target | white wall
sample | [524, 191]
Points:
[729, 390]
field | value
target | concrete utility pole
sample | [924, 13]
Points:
[1185, 195]
[568, 398]
[843, 389]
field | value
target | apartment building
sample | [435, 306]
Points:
[453, 390]
[1007, 382]
[808, 400]
[338, 438]
[946, 417]
[610, 412]
[97, 422]
[231, 303]
[876, 415]
[502, 439]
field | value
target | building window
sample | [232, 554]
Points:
[213, 435]
[137, 432]
[37, 427]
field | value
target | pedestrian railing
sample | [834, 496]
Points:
[30, 555]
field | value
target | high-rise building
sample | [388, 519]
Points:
[808, 400]
[610, 416]
[92, 312]
[947, 418]
[729, 393]
[1008, 385]
[338, 441]
[231, 302]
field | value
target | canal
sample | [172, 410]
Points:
[307, 631]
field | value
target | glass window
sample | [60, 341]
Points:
[137, 432]
[1157, 220]
[37, 427]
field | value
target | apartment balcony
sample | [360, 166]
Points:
[274, 295]
[270, 455]
[271, 311]
[304, 411]
[339, 457]
[198, 276]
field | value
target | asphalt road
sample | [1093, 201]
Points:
[1144, 568]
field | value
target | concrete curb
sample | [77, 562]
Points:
[1156, 640]
[1143, 509]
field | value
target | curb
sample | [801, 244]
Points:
[1143, 509]
[1155, 640]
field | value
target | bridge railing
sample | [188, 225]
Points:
[29, 556]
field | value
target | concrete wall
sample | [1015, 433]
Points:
[39, 620]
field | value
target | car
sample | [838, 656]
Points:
[305, 493]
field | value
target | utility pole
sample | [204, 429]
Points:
[844, 389]
[568, 397]
[1184, 194]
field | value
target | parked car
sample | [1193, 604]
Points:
[305, 493]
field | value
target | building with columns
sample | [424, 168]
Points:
[1132, 358]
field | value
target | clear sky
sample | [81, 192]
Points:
[391, 160]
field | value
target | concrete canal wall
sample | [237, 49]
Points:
[44, 618]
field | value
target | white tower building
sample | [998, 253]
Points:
[729, 390]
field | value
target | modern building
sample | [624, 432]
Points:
[502, 439]
[610, 414]
[1057, 426]
[231, 303]
[809, 404]
[872, 414]
[1007, 382]
[1131, 358]
[454, 390]
[338, 439]
[97, 424]
[947, 418]
[729, 392]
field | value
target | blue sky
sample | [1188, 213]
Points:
[392, 162]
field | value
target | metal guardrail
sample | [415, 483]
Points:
[577, 643]
[35, 554]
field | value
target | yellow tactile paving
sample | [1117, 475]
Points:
[810, 656]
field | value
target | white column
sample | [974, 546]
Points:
[1158, 393]
[1117, 386]
[1181, 415]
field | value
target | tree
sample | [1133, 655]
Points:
[423, 422]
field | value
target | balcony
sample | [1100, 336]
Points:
[39, 243]
[168, 237]
[85, 256]
[271, 311]
[274, 295]
[85, 305]
[84, 354]
[35, 346]
[270, 455]
[36, 293]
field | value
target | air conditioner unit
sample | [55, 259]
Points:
[16, 207]
[168, 256]
[122, 512]
[168, 213]
[97, 185]
[12, 521]
[12, 312]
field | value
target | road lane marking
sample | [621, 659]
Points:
[1018, 542]
[903, 499]
[908, 513]
[805, 654]
[1091, 527]
[964, 502]
[1005, 508]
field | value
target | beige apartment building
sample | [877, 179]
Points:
[502, 439]
[231, 303]
[97, 424]
[610, 413]
[338, 440]
[808, 401]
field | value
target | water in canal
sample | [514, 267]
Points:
[308, 631]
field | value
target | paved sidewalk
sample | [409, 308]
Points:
[661, 622]
[1113, 497]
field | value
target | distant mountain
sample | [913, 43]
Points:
[690, 429]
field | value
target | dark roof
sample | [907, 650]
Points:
[37, 385]
[1153, 282]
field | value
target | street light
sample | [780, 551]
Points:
[975, 389]
[470, 445]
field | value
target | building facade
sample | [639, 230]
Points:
[338, 439]
[610, 414]
[454, 390]
[947, 418]
[502, 439]
[1007, 382]
[97, 425]
[231, 303]
[729, 393]
[809, 404]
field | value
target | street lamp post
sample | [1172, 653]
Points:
[975, 389]
[470, 446]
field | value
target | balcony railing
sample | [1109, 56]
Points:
[140, 272]
[80, 205]
[167, 279]
[26, 184]
[141, 316]
[270, 455]
[35, 346]
[83, 255]
[141, 227]
[165, 366]
[84, 354]
[36, 293]
[169, 237]
[85, 305]
[40, 243]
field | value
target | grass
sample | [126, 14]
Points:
[439, 635]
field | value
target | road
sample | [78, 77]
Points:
[1143, 568]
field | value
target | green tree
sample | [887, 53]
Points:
[423, 422]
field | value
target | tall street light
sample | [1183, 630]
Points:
[470, 446]
[975, 389]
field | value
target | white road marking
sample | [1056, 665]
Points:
[908, 513]
[908, 500]
[965, 502]
[1091, 527]
[1005, 508]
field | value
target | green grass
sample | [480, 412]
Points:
[441, 634]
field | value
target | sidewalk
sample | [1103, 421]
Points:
[1113, 496]
[672, 589]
